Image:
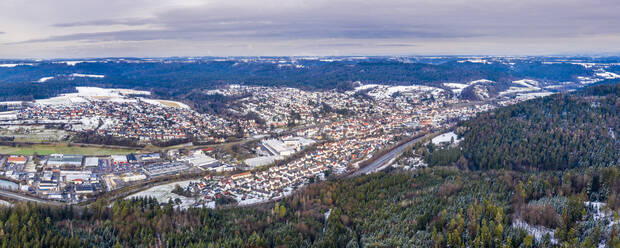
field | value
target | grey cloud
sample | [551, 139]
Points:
[396, 45]
[340, 24]
[371, 20]
[107, 22]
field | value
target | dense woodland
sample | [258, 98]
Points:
[580, 129]
[433, 207]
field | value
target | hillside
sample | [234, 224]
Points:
[433, 207]
[178, 77]
[561, 131]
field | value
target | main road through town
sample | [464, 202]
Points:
[22, 197]
[386, 158]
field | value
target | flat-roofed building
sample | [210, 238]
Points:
[277, 147]
[199, 159]
[65, 159]
[119, 159]
[91, 162]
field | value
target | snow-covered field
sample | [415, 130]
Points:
[446, 137]
[476, 60]
[87, 75]
[379, 91]
[44, 79]
[527, 83]
[163, 193]
[608, 75]
[457, 88]
[14, 65]
[87, 94]
[166, 103]
[513, 90]
[528, 96]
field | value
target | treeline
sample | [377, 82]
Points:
[432, 207]
[91, 137]
[552, 133]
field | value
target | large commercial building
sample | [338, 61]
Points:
[65, 159]
[277, 147]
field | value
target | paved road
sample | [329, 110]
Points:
[21, 197]
[385, 158]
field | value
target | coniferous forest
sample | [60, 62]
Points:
[431, 207]
[558, 132]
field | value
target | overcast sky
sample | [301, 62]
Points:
[110, 28]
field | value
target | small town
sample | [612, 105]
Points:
[297, 136]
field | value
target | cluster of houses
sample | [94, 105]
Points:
[345, 129]
[128, 119]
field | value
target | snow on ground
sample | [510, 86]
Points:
[86, 94]
[446, 137]
[87, 75]
[526, 82]
[70, 63]
[62, 100]
[5, 203]
[96, 91]
[513, 90]
[475, 60]
[361, 87]
[588, 80]
[537, 231]
[585, 65]
[14, 65]
[607, 75]
[456, 88]
[480, 81]
[165, 103]
[481, 92]
[365, 86]
[253, 199]
[384, 91]
[528, 96]
[44, 79]
[163, 193]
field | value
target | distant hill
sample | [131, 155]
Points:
[579, 129]
[175, 78]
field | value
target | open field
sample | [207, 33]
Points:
[62, 148]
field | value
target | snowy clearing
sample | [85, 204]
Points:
[537, 231]
[44, 79]
[163, 193]
[608, 75]
[446, 137]
[527, 83]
